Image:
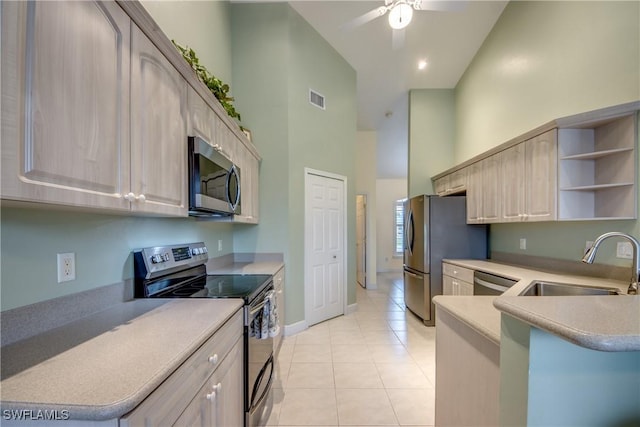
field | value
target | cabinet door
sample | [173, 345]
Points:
[202, 119]
[448, 287]
[65, 103]
[440, 185]
[158, 131]
[229, 408]
[465, 288]
[249, 184]
[512, 171]
[220, 402]
[541, 177]
[474, 193]
[278, 283]
[491, 189]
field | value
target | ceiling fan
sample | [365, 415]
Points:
[401, 11]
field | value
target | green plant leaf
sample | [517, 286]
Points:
[215, 85]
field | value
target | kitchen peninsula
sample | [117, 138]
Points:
[537, 360]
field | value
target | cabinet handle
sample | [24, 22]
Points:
[213, 359]
[211, 396]
[132, 197]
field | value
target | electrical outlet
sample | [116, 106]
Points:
[523, 244]
[66, 267]
[219, 245]
[624, 250]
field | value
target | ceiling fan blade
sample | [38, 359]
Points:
[397, 39]
[440, 5]
[363, 19]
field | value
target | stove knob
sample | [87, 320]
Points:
[195, 251]
[165, 256]
[204, 249]
[155, 259]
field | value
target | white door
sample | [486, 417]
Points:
[324, 246]
[361, 248]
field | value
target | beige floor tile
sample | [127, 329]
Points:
[351, 353]
[281, 373]
[311, 353]
[380, 337]
[374, 325]
[341, 323]
[402, 375]
[347, 336]
[383, 353]
[310, 375]
[356, 375]
[313, 335]
[309, 407]
[364, 407]
[413, 407]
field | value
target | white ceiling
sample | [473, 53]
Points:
[448, 41]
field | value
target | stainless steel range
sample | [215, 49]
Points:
[179, 271]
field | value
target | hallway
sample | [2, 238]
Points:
[372, 367]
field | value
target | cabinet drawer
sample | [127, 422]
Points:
[461, 273]
[166, 403]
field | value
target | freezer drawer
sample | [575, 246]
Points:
[417, 294]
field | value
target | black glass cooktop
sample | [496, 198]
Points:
[214, 286]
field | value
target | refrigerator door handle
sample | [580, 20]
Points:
[415, 276]
[409, 233]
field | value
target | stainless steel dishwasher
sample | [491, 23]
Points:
[490, 284]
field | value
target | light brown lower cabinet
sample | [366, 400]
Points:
[468, 374]
[206, 390]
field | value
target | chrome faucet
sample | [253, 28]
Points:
[590, 255]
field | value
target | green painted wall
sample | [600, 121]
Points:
[31, 238]
[544, 60]
[277, 58]
[202, 25]
[431, 136]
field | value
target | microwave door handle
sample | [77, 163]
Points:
[233, 171]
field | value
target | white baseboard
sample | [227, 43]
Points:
[295, 328]
[351, 308]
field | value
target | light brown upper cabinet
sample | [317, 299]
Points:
[581, 167]
[483, 191]
[528, 180]
[93, 114]
[158, 131]
[65, 100]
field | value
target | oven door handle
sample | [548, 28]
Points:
[257, 308]
[255, 403]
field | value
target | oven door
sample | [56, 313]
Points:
[214, 181]
[260, 366]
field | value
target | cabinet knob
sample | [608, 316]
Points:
[213, 359]
[211, 396]
[141, 198]
[130, 197]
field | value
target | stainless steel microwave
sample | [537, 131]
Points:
[214, 180]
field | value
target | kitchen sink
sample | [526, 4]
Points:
[565, 289]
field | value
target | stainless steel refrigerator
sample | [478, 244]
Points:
[435, 228]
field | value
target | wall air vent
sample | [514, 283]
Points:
[316, 99]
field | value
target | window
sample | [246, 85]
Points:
[399, 228]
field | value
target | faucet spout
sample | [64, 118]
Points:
[590, 256]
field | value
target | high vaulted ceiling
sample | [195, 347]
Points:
[447, 40]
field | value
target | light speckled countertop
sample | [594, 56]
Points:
[104, 365]
[609, 323]
[269, 267]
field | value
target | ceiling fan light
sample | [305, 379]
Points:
[400, 16]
